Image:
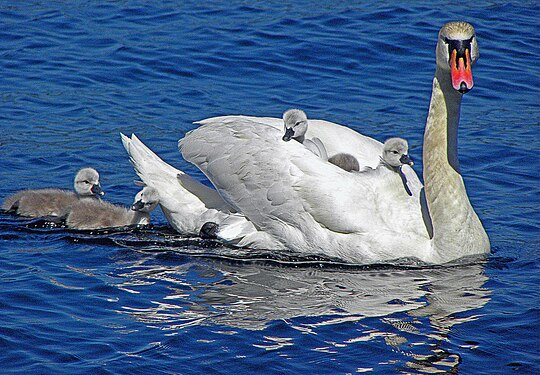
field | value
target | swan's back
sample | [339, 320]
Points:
[232, 154]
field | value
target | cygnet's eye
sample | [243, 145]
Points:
[395, 152]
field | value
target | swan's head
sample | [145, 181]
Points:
[87, 183]
[295, 124]
[146, 200]
[395, 152]
[457, 51]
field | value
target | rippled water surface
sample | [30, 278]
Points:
[75, 74]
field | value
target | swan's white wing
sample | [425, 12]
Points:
[234, 156]
[231, 158]
[336, 138]
[359, 202]
[288, 192]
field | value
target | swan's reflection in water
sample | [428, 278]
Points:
[412, 308]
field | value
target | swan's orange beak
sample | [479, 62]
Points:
[462, 80]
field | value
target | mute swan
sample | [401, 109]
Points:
[97, 214]
[54, 202]
[295, 123]
[306, 205]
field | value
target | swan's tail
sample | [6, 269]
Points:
[182, 199]
[150, 167]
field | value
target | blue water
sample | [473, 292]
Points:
[74, 74]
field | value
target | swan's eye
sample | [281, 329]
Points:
[446, 40]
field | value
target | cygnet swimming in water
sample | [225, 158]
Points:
[54, 202]
[296, 123]
[394, 156]
[97, 214]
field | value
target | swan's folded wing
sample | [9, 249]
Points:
[233, 156]
[337, 200]
[341, 139]
[274, 183]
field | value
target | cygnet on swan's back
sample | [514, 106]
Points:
[345, 161]
[395, 153]
[296, 123]
[97, 214]
[54, 202]
[394, 156]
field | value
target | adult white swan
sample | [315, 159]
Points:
[311, 206]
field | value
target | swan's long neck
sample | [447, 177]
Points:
[457, 231]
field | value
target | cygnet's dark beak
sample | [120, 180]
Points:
[289, 133]
[96, 189]
[137, 206]
[405, 159]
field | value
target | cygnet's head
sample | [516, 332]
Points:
[295, 124]
[87, 183]
[395, 152]
[146, 200]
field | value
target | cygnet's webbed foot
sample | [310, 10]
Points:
[209, 231]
